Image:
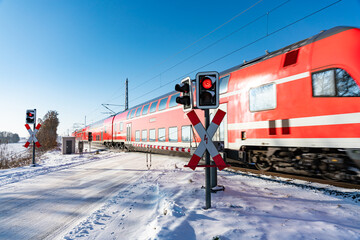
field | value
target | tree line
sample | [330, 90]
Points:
[8, 137]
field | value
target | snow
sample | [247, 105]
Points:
[114, 196]
[16, 147]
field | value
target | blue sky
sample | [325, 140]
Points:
[74, 55]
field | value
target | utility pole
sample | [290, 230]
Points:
[126, 95]
[207, 169]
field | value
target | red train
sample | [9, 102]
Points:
[297, 108]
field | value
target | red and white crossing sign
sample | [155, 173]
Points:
[32, 137]
[206, 141]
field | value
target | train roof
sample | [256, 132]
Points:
[312, 39]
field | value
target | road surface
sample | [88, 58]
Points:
[47, 206]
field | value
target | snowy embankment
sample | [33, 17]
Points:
[166, 202]
[49, 162]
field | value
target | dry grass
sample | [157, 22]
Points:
[11, 160]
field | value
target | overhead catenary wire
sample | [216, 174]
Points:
[244, 46]
[188, 46]
[216, 42]
[113, 97]
[204, 36]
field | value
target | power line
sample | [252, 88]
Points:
[214, 43]
[191, 44]
[211, 32]
[245, 46]
[198, 40]
[188, 46]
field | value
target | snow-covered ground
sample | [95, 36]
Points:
[16, 147]
[114, 196]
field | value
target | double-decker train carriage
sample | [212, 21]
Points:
[297, 108]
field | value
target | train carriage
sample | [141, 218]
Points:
[295, 108]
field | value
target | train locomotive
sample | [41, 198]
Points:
[295, 109]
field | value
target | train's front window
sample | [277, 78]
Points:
[345, 84]
[334, 82]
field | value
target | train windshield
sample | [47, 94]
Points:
[334, 82]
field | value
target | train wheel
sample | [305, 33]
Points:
[263, 165]
[327, 174]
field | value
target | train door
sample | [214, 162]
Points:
[221, 133]
[128, 132]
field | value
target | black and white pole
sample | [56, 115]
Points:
[33, 158]
[207, 169]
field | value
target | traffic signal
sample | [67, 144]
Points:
[90, 136]
[207, 90]
[185, 88]
[30, 116]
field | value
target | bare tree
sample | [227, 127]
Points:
[47, 134]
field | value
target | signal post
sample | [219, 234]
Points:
[31, 119]
[207, 97]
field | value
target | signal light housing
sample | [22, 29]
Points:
[207, 90]
[186, 89]
[30, 116]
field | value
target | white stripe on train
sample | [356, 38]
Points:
[298, 142]
[336, 119]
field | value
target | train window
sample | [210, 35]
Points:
[324, 84]
[186, 133]
[173, 102]
[121, 126]
[128, 115]
[224, 84]
[152, 136]
[144, 135]
[345, 84]
[173, 134]
[162, 104]
[145, 109]
[291, 58]
[262, 98]
[153, 106]
[334, 82]
[221, 131]
[161, 134]
[137, 136]
[138, 112]
[133, 113]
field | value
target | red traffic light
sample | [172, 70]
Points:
[206, 83]
[30, 115]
